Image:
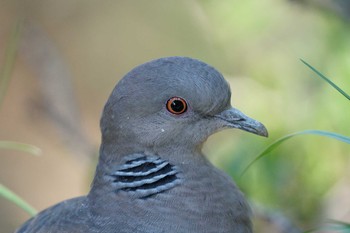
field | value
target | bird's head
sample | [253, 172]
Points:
[171, 102]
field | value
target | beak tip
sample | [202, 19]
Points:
[264, 132]
[261, 130]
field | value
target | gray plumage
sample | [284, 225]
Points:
[151, 176]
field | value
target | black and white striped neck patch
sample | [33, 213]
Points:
[144, 176]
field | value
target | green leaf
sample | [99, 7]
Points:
[332, 226]
[279, 141]
[326, 79]
[10, 58]
[340, 226]
[20, 147]
[11, 196]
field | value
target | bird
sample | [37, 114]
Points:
[152, 176]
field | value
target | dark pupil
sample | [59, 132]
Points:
[177, 106]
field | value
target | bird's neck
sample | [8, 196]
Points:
[116, 159]
[112, 153]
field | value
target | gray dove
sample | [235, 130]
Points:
[152, 176]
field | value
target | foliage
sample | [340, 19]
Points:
[11, 196]
[336, 225]
[5, 75]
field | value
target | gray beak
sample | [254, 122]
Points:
[233, 118]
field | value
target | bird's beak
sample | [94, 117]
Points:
[234, 118]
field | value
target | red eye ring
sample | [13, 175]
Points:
[176, 105]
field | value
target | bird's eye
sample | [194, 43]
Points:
[176, 105]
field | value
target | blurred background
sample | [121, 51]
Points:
[72, 53]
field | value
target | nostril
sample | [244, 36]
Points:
[238, 119]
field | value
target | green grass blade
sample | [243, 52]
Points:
[326, 79]
[9, 195]
[10, 57]
[279, 141]
[332, 226]
[340, 226]
[20, 147]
